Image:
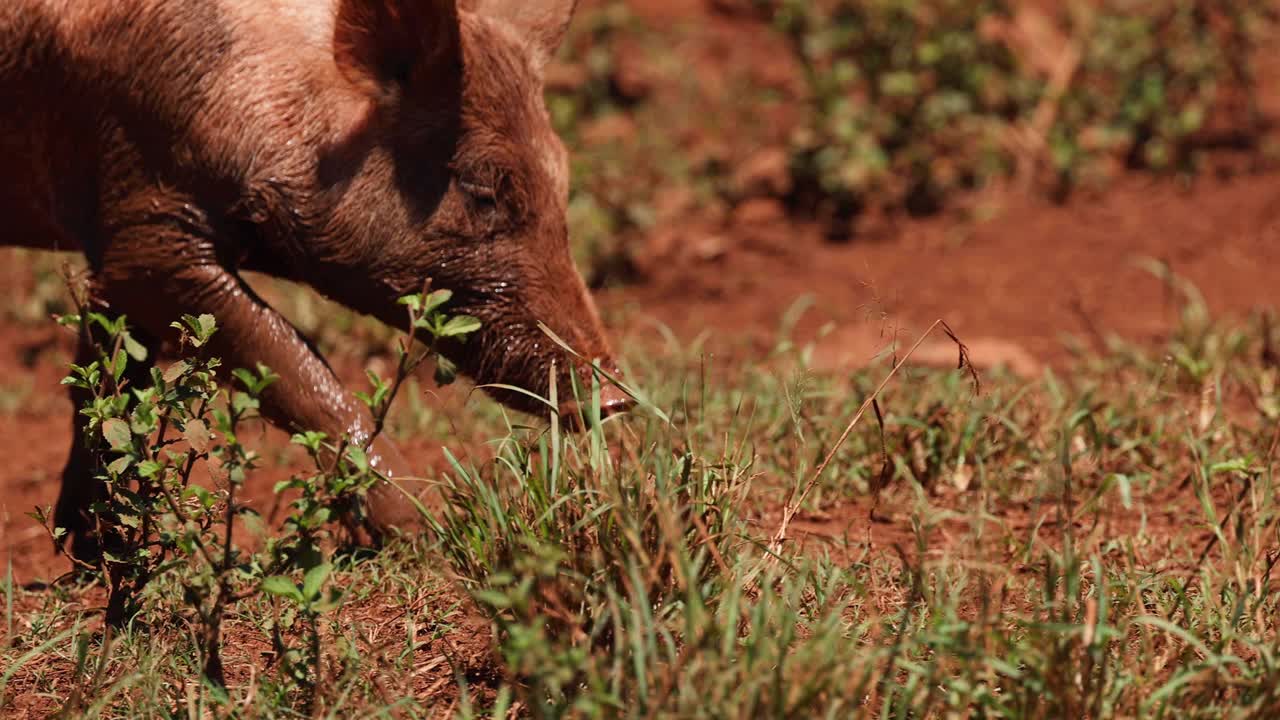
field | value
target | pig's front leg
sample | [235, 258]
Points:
[308, 396]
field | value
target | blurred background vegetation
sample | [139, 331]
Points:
[847, 113]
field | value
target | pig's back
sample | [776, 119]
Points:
[199, 93]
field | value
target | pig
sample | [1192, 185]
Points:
[361, 147]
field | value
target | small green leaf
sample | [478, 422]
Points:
[136, 350]
[358, 458]
[117, 434]
[105, 323]
[246, 378]
[446, 371]
[120, 465]
[243, 403]
[149, 468]
[144, 419]
[282, 587]
[196, 433]
[208, 326]
[205, 497]
[313, 581]
[435, 300]
[119, 364]
[266, 378]
[115, 558]
[1237, 465]
[175, 371]
[310, 440]
[375, 379]
[458, 326]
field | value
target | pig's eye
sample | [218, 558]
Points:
[481, 194]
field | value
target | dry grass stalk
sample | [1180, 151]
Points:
[794, 502]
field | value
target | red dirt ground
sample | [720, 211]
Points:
[1014, 286]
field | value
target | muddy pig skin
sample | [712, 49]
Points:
[358, 146]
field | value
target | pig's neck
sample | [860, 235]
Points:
[322, 234]
[307, 140]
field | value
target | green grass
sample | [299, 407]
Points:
[1110, 556]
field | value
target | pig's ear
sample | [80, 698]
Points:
[543, 23]
[380, 44]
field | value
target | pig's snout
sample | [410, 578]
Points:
[613, 401]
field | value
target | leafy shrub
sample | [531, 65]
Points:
[1154, 78]
[911, 101]
[153, 524]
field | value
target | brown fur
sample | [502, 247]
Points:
[359, 146]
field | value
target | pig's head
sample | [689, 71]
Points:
[449, 114]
